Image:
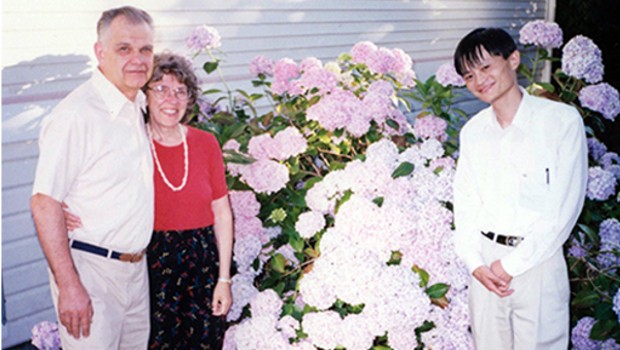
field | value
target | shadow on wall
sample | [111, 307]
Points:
[31, 89]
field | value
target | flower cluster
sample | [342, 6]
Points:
[45, 336]
[582, 59]
[602, 98]
[596, 148]
[544, 34]
[580, 337]
[267, 174]
[430, 126]
[261, 65]
[609, 232]
[381, 60]
[446, 75]
[413, 222]
[203, 38]
[601, 184]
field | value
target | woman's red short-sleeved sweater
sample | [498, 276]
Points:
[190, 207]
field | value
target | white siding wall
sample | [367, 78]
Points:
[47, 51]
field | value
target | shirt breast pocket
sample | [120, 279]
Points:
[534, 180]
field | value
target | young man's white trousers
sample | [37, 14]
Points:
[535, 316]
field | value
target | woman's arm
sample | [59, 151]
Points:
[223, 228]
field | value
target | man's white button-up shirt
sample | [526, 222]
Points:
[94, 156]
[526, 180]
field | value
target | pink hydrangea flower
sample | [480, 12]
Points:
[381, 61]
[284, 71]
[263, 147]
[309, 63]
[290, 143]
[335, 110]
[402, 61]
[244, 204]
[446, 75]
[285, 144]
[547, 35]
[243, 290]
[288, 326]
[318, 78]
[362, 50]
[430, 126]
[266, 303]
[315, 325]
[309, 223]
[204, 38]
[261, 65]
[265, 176]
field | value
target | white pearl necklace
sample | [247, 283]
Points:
[159, 168]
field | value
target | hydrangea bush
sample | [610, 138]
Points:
[342, 205]
[593, 251]
[343, 222]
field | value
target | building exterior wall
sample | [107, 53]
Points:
[47, 50]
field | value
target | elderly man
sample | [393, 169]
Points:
[518, 191]
[94, 156]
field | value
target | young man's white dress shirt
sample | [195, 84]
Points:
[526, 180]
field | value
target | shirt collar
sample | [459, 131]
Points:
[524, 113]
[522, 116]
[112, 97]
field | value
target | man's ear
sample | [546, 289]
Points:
[514, 59]
[98, 51]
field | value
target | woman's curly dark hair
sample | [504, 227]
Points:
[181, 68]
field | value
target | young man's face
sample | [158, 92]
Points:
[125, 55]
[493, 77]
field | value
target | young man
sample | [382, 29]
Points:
[519, 188]
[94, 156]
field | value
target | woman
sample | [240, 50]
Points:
[189, 256]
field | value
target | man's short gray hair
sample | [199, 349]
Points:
[132, 14]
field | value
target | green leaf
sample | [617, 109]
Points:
[296, 243]
[425, 327]
[392, 124]
[278, 262]
[395, 258]
[212, 91]
[404, 169]
[424, 276]
[378, 201]
[209, 67]
[602, 329]
[592, 235]
[547, 86]
[585, 298]
[437, 290]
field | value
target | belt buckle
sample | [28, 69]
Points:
[132, 258]
[513, 241]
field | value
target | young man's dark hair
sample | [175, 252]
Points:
[495, 41]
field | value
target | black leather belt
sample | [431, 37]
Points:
[511, 241]
[108, 253]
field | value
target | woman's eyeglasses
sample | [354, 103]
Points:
[163, 91]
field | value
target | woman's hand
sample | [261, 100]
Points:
[72, 221]
[222, 298]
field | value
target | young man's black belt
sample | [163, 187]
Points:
[511, 241]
